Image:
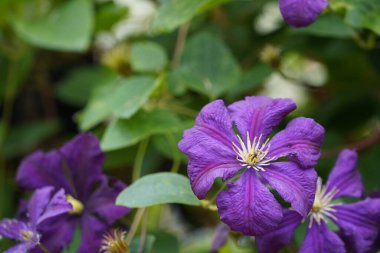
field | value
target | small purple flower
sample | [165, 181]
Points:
[300, 13]
[42, 206]
[358, 222]
[214, 150]
[77, 168]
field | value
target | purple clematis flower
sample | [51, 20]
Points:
[358, 222]
[43, 205]
[300, 13]
[77, 168]
[214, 150]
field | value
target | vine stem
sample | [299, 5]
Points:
[135, 224]
[43, 248]
[181, 39]
[137, 167]
[144, 231]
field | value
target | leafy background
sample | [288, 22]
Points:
[136, 75]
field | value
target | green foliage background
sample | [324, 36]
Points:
[141, 92]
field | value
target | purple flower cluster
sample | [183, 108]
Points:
[74, 173]
[234, 143]
[43, 205]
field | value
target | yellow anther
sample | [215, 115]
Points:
[76, 204]
[26, 235]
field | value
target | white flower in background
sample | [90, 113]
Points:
[306, 70]
[277, 86]
[138, 21]
[299, 70]
[269, 20]
[141, 14]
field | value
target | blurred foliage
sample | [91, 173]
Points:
[137, 72]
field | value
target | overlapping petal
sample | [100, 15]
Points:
[360, 223]
[248, 206]
[273, 241]
[57, 233]
[345, 177]
[300, 13]
[44, 205]
[259, 115]
[319, 239]
[294, 184]
[209, 148]
[300, 141]
[102, 201]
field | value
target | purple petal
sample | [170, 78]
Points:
[209, 148]
[92, 232]
[57, 233]
[84, 158]
[300, 13]
[273, 241]
[12, 229]
[345, 176]
[102, 201]
[42, 169]
[259, 115]
[220, 237]
[248, 206]
[319, 239]
[76, 167]
[301, 141]
[359, 223]
[295, 185]
[43, 205]
[21, 248]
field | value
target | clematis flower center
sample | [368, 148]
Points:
[253, 154]
[323, 207]
[26, 235]
[76, 204]
[115, 243]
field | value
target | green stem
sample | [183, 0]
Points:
[176, 154]
[135, 225]
[137, 167]
[181, 110]
[144, 231]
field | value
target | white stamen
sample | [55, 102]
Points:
[323, 207]
[253, 154]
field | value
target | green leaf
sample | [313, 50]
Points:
[108, 15]
[148, 244]
[251, 79]
[76, 88]
[67, 28]
[148, 56]
[126, 132]
[173, 13]
[210, 67]
[165, 242]
[359, 13]
[75, 243]
[120, 97]
[158, 188]
[327, 26]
